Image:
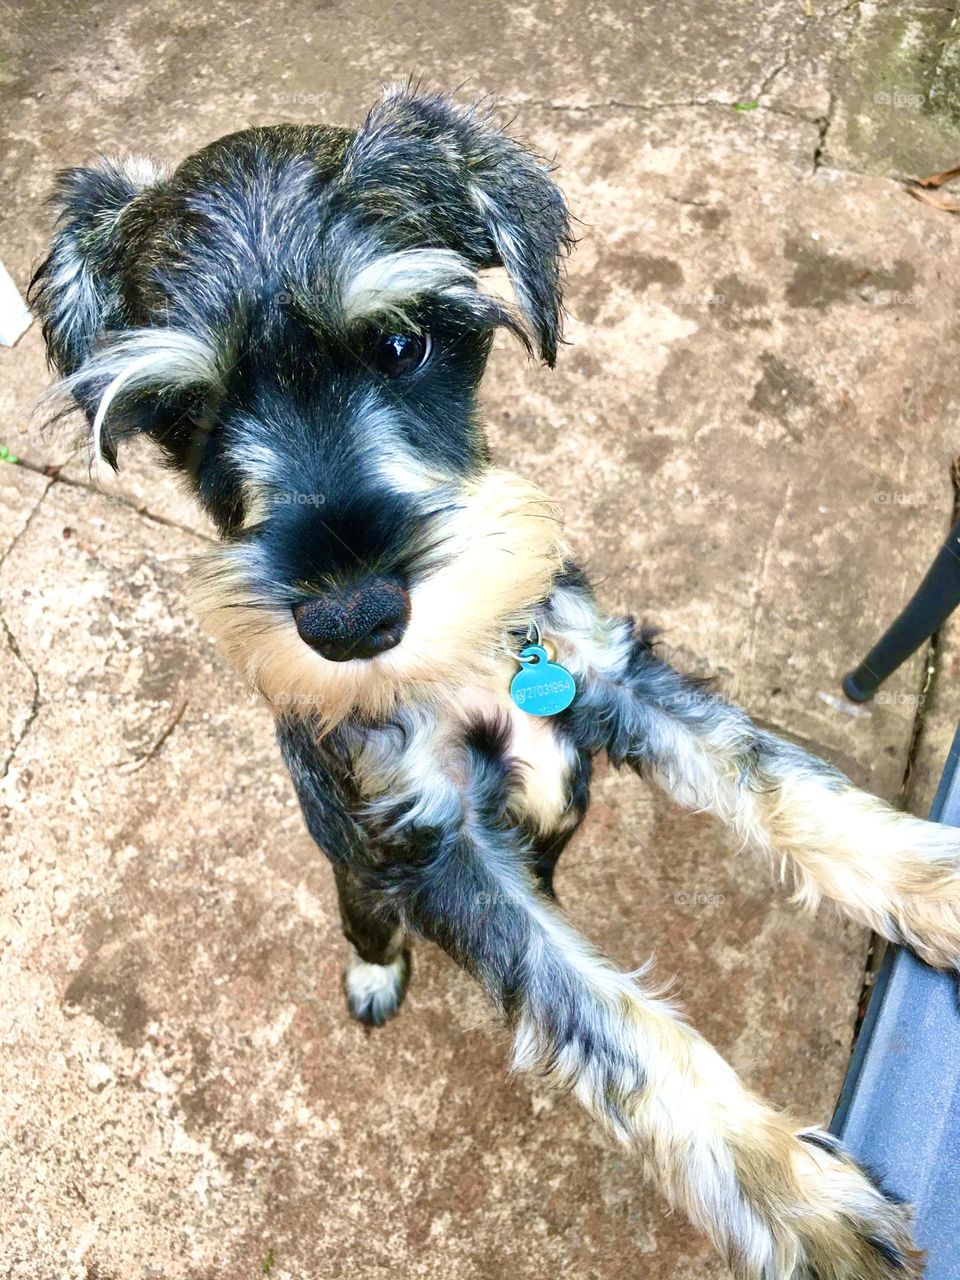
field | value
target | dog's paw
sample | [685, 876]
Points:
[375, 991]
[848, 1227]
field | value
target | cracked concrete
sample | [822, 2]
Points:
[27, 717]
[20, 682]
[751, 433]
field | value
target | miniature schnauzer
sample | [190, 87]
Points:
[295, 316]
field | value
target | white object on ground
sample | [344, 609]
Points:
[15, 317]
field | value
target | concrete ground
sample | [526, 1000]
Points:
[751, 431]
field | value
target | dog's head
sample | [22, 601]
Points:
[295, 316]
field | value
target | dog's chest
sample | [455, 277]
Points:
[424, 762]
[544, 761]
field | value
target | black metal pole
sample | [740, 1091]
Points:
[932, 603]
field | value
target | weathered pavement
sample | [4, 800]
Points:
[751, 433]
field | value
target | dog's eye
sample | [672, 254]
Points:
[401, 353]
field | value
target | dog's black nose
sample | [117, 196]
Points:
[358, 621]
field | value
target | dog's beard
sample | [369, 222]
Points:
[494, 553]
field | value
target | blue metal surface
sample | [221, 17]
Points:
[899, 1111]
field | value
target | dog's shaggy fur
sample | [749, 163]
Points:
[295, 317]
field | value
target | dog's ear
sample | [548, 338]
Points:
[440, 171]
[76, 289]
[78, 293]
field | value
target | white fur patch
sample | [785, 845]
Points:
[389, 456]
[511, 255]
[374, 990]
[141, 170]
[167, 359]
[386, 284]
[76, 305]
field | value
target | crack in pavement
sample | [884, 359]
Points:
[809, 20]
[41, 469]
[650, 108]
[27, 522]
[932, 668]
[823, 123]
[37, 700]
[823, 128]
[35, 703]
[932, 665]
[820, 123]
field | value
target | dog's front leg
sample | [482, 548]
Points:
[780, 1202]
[892, 872]
[378, 970]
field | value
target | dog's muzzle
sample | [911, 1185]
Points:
[357, 621]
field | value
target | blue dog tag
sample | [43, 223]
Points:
[542, 687]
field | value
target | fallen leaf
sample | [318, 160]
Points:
[938, 199]
[935, 179]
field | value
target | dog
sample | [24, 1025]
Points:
[295, 316]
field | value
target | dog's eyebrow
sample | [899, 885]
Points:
[161, 359]
[385, 286]
[388, 289]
